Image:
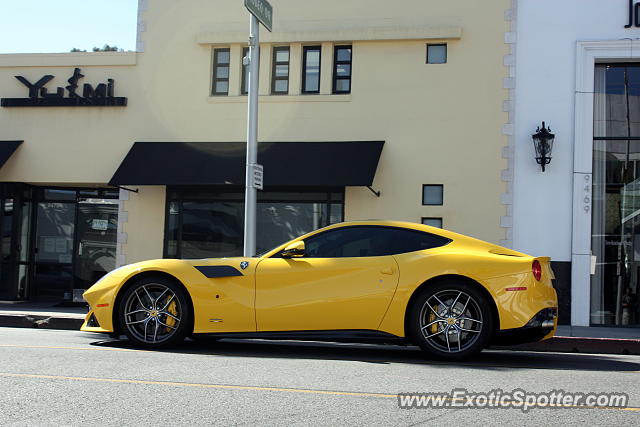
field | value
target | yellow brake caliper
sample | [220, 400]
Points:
[432, 317]
[172, 310]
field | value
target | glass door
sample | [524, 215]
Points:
[7, 252]
[96, 234]
[15, 235]
[54, 250]
[615, 240]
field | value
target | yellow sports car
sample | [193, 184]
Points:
[450, 294]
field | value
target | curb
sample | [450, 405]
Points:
[41, 322]
[556, 344]
[581, 345]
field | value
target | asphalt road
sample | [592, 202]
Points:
[52, 377]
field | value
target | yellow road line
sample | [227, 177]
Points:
[73, 348]
[258, 388]
[197, 385]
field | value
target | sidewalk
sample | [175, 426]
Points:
[568, 339]
[583, 339]
[41, 315]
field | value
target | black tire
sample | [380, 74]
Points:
[155, 312]
[440, 327]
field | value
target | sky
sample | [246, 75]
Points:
[39, 26]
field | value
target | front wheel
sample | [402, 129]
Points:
[451, 320]
[154, 312]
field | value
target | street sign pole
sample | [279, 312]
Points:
[261, 13]
[250, 195]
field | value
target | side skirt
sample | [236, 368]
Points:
[352, 336]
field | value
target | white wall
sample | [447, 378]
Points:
[547, 32]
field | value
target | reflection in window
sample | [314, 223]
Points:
[7, 228]
[342, 69]
[369, 241]
[211, 229]
[244, 89]
[436, 54]
[203, 227]
[221, 58]
[280, 71]
[311, 69]
[615, 240]
[432, 194]
[432, 221]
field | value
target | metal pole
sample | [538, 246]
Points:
[250, 194]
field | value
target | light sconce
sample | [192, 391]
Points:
[543, 144]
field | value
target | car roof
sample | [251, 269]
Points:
[456, 238]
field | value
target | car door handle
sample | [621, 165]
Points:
[388, 270]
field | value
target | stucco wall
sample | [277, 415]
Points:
[141, 224]
[547, 34]
[442, 123]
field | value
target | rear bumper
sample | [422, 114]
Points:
[542, 326]
[520, 297]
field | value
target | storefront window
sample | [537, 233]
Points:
[615, 243]
[206, 224]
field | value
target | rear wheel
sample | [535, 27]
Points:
[154, 312]
[451, 320]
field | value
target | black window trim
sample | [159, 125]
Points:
[335, 79]
[305, 50]
[446, 53]
[432, 204]
[446, 240]
[244, 90]
[183, 193]
[433, 217]
[274, 63]
[216, 64]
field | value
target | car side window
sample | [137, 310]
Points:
[414, 240]
[349, 242]
[368, 241]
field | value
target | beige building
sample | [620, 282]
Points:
[368, 109]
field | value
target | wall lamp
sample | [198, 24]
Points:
[543, 144]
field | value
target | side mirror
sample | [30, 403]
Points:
[294, 250]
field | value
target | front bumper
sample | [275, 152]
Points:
[91, 324]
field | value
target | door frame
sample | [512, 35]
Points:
[588, 53]
[38, 197]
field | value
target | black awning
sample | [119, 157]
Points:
[291, 164]
[6, 150]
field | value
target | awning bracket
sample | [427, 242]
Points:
[127, 189]
[377, 193]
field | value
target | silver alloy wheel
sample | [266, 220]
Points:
[451, 321]
[152, 313]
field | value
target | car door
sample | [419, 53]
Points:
[346, 280]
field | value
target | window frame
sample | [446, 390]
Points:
[445, 240]
[446, 53]
[244, 75]
[335, 76]
[439, 218]
[274, 64]
[441, 191]
[179, 194]
[305, 50]
[214, 74]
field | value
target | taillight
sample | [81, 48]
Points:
[536, 269]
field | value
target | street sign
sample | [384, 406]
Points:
[262, 10]
[258, 176]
